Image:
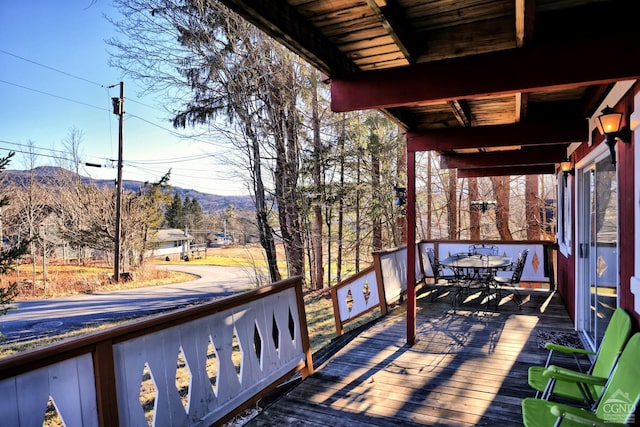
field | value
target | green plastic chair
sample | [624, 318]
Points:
[617, 406]
[615, 338]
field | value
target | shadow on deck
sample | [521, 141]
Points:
[468, 367]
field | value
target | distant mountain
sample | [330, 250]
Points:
[208, 202]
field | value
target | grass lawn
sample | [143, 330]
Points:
[71, 279]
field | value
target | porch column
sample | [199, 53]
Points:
[411, 247]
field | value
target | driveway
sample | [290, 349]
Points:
[46, 317]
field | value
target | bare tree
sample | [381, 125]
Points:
[212, 58]
[474, 214]
[452, 205]
[317, 223]
[500, 186]
[10, 252]
[532, 207]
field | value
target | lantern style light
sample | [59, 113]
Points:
[567, 169]
[609, 123]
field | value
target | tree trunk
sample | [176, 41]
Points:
[474, 214]
[532, 207]
[501, 191]
[375, 196]
[262, 217]
[358, 213]
[401, 220]
[429, 195]
[452, 205]
[318, 277]
[340, 201]
[296, 249]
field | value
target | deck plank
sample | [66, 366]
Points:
[467, 368]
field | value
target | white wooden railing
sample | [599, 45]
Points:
[230, 352]
[539, 266]
[365, 291]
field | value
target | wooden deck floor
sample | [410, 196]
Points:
[467, 368]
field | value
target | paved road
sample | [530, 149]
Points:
[51, 316]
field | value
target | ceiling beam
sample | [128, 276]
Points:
[525, 16]
[461, 110]
[523, 133]
[563, 64]
[392, 19]
[511, 171]
[525, 157]
[282, 22]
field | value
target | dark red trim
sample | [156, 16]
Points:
[562, 64]
[524, 133]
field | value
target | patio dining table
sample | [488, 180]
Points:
[474, 270]
[474, 262]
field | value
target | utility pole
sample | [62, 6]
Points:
[118, 109]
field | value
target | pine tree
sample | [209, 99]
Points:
[194, 213]
[175, 213]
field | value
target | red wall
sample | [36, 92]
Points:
[626, 212]
[565, 282]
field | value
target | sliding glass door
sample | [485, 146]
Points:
[597, 282]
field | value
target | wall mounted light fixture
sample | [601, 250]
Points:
[401, 199]
[609, 123]
[567, 169]
[483, 206]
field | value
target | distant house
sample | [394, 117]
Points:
[214, 240]
[171, 241]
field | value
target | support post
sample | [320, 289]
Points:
[411, 247]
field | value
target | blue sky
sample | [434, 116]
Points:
[54, 74]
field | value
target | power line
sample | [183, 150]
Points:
[174, 133]
[34, 146]
[170, 131]
[51, 68]
[54, 95]
[37, 154]
[172, 160]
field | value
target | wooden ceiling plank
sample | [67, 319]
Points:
[461, 110]
[509, 171]
[394, 22]
[522, 133]
[525, 157]
[282, 22]
[556, 66]
[525, 17]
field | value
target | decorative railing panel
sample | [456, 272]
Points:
[229, 351]
[356, 296]
[69, 384]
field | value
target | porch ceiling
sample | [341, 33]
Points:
[462, 77]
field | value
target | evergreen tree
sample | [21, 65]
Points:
[175, 213]
[193, 213]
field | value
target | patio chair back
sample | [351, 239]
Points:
[615, 338]
[437, 268]
[520, 263]
[621, 394]
[483, 249]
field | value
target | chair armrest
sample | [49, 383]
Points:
[566, 349]
[579, 416]
[565, 374]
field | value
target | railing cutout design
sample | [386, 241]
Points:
[192, 367]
